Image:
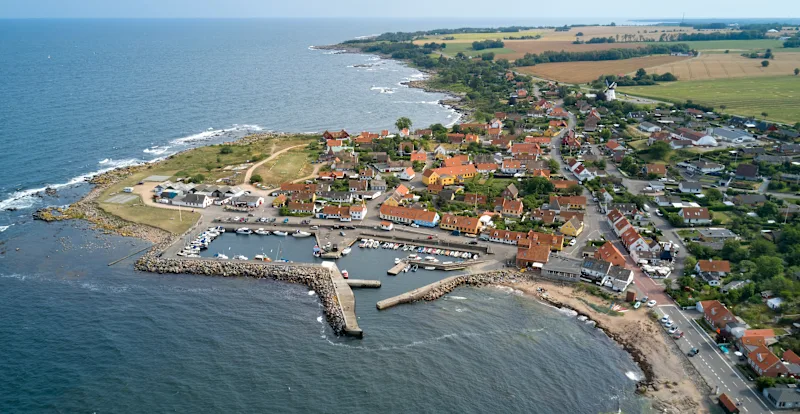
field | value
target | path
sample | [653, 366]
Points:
[247, 186]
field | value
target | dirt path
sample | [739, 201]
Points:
[250, 170]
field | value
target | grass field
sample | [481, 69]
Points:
[735, 45]
[730, 65]
[288, 166]
[172, 221]
[778, 96]
[452, 49]
[581, 72]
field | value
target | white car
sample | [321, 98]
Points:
[651, 303]
[664, 319]
[414, 225]
[572, 242]
[673, 329]
[668, 324]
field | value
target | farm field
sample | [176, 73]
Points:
[728, 65]
[453, 49]
[733, 45]
[778, 96]
[582, 72]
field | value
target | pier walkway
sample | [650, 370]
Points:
[416, 294]
[347, 301]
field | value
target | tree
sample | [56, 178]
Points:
[768, 267]
[640, 74]
[764, 63]
[764, 114]
[713, 195]
[537, 185]
[553, 164]
[796, 71]
[402, 123]
[255, 178]
[226, 149]
[628, 165]
[197, 178]
[765, 382]
[659, 150]
[487, 56]
[574, 189]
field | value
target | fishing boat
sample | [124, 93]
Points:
[345, 274]
[221, 256]
[346, 251]
[262, 232]
[362, 244]
[244, 230]
[299, 234]
[240, 257]
[280, 233]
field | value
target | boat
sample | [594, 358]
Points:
[345, 274]
[430, 268]
[405, 269]
[397, 260]
[262, 258]
[299, 233]
[280, 233]
[262, 232]
[240, 257]
[220, 256]
[447, 263]
[244, 230]
[413, 256]
[465, 255]
[414, 268]
[362, 244]
[193, 255]
[346, 251]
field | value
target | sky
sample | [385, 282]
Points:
[583, 10]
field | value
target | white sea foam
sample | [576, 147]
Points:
[4, 228]
[632, 376]
[418, 102]
[569, 312]
[382, 89]
[157, 150]
[457, 297]
[319, 319]
[213, 133]
[311, 293]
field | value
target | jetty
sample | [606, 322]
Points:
[418, 293]
[363, 283]
[346, 301]
[396, 269]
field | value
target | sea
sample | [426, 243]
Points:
[78, 97]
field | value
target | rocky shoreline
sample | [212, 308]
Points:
[314, 277]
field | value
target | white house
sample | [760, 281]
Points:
[408, 174]
[774, 303]
[695, 215]
[732, 135]
[648, 127]
[705, 167]
[194, 201]
[690, 187]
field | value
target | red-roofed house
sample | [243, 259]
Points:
[633, 241]
[609, 253]
[715, 313]
[695, 215]
[765, 363]
[419, 155]
[537, 254]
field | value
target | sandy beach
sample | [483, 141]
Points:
[670, 380]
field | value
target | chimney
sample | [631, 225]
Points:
[760, 358]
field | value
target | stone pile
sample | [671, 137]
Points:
[314, 277]
[480, 279]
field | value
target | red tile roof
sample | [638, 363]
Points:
[714, 266]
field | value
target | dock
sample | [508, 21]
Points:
[347, 301]
[414, 295]
[363, 283]
[397, 268]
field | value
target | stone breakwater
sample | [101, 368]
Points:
[314, 277]
[438, 289]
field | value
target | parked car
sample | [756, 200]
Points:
[664, 319]
[651, 304]
[414, 225]
[668, 324]
[314, 227]
[673, 329]
[677, 335]
[572, 242]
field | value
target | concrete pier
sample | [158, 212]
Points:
[446, 266]
[397, 268]
[347, 301]
[416, 294]
[363, 283]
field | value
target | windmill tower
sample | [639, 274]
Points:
[611, 93]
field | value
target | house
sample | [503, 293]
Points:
[555, 241]
[335, 135]
[506, 236]
[680, 143]
[765, 363]
[590, 125]
[716, 235]
[528, 151]
[695, 215]
[562, 268]
[289, 188]
[358, 185]
[648, 127]
[712, 270]
[468, 225]
[705, 167]
[595, 269]
[754, 338]
[407, 215]
[330, 175]
[690, 187]
[279, 201]
[303, 197]
[301, 208]
[633, 241]
[475, 199]
[609, 253]
[618, 278]
[573, 227]
[456, 160]
[715, 313]
[535, 256]
[435, 188]
[582, 173]
[749, 200]
[656, 186]
[621, 226]
[656, 169]
[512, 208]
[419, 156]
[510, 191]
[250, 201]
[605, 196]
[700, 139]
[783, 396]
[408, 174]
[447, 195]
[774, 303]
[335, 213]
[194, 201]
[558, 113]
[667, 200]
[343, 197]
[485, 168]
[511, 167]
[747, 172]
[387, 225]
[366, 174]
[545, 216]
[569, 202]
[735, 136]
[449, 175]
[695, 113]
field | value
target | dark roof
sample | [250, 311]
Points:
[747, 170]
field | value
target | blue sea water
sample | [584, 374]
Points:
[77, 335]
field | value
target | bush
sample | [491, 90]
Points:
[226, 149]
[255, 178]
[197, 178]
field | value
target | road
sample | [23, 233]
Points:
[716, 368]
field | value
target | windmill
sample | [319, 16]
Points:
[610, 91]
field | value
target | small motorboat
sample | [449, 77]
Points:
[299, 233]
[346, 251]
[262, 258]
[221, 256]
[345, 274]
[240, 257]
[280, 233]
[244, 230]
[414, 268]
[430, 268]
[406, 269]
[397, 260]
[262, 232]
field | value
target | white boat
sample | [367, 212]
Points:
[220, 256]
[405, 269]
[345, 274]
[299, 233]
[244, 230]
[447, 263]
[346, 251]
[430, 268]
[240, 257]
[362, 244]
[430, 258]
[414, 268]
[262, 258]
[397, 260]
[465, 255]
[193, 255]
[413, 256]
[280, 233]
[262, 232]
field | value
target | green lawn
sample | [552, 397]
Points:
[778, 96]
[173, 221]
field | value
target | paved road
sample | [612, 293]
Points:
[717, 368]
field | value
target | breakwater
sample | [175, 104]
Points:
[315, 277]
[438, 289]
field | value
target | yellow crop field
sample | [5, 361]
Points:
[582, 72]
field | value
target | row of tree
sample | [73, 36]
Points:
[531, 59]
[487, 44]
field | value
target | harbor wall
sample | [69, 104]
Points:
[438, 289]
[315, 277]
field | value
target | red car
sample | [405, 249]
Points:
[678, 335]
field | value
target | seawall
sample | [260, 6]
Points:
[315, 277]
[438, 289]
